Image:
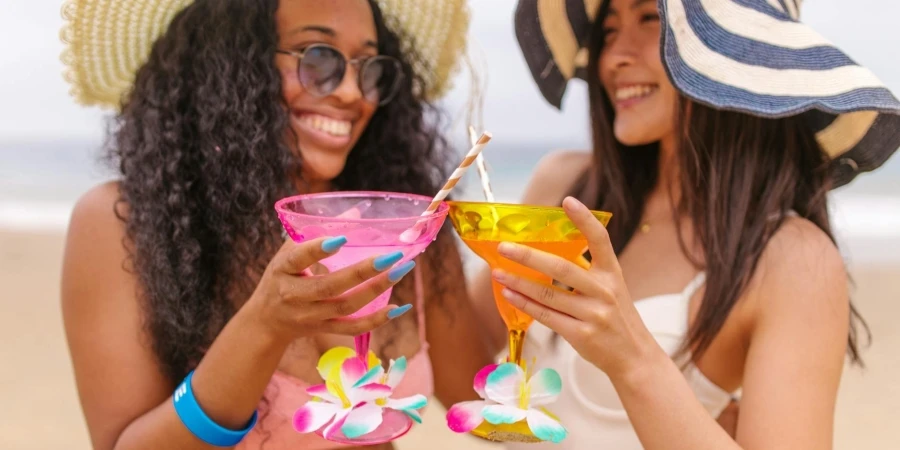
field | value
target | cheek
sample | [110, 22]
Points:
[604, 74]
[367, 111]
[654, 63]
[668, 101]
[290, 86]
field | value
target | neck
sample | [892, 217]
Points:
[302, 186]
[668, 169]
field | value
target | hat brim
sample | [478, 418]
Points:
[106, 42]
[746, 56]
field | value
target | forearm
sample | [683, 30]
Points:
[664, 411]
[228, 385]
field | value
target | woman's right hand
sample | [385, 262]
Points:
[294, 304]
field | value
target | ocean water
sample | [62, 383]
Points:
[41, 179]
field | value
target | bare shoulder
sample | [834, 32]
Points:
[96, 210]
[797, 343]
[116, 373]
[96, 232]
[554, 175]
[801, 269]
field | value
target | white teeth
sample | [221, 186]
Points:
[634, 92]
[331, 126]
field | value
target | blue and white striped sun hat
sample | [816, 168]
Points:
[752, 56]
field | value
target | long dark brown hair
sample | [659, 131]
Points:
[201, 152]
[739, 177]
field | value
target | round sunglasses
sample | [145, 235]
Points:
[321, 69]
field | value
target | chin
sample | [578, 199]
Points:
[633, 134]
[322, 167]
[317, 174]
[632, 138]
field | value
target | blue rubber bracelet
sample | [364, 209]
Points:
[198, 423]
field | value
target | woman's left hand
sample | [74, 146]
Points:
[598, 319]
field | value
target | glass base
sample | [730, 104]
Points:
[516, 432]
[394, 424]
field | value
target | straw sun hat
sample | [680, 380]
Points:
[752, 56]
[108, 40]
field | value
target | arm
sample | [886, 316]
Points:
[797, 340]
[125, 395]
[796, 354]
[457, 348]
[551, 181]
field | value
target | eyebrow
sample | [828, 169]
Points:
[328, 32]
[634, 5]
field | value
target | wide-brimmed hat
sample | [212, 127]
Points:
[752, 56]
[108, 40]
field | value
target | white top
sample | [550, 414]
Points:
[588, 406]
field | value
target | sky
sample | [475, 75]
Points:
[34, 101]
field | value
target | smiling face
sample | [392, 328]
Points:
[632, 73]
[327, 127]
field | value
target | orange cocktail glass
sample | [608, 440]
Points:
[482, 226]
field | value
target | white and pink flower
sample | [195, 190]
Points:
[354, 395]
[510, 397]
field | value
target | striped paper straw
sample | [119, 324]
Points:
[482, 170]
[414, 232]
[458, 173]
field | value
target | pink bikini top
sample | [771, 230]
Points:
[285, 394]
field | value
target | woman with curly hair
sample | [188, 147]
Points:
[179, 267]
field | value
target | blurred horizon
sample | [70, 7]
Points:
[49, 145]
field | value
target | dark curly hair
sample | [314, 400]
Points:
[201, 150]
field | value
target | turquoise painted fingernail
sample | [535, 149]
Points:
[400, 271]
[397, 312]
[382, 262]
[332, 245]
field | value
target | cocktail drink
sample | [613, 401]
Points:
[482, 227]
[516, 321]
[373, 223]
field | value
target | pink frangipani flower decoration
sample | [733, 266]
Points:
[510, 397]
[354, 395]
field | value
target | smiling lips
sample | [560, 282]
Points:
[631, 94]
[333, 127]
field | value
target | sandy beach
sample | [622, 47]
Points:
[40, 407]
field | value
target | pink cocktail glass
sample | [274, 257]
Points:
[373, 223]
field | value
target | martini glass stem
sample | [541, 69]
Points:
[516, 341]
[362, 345]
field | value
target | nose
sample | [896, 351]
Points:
[621, 52]
[348, 91]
